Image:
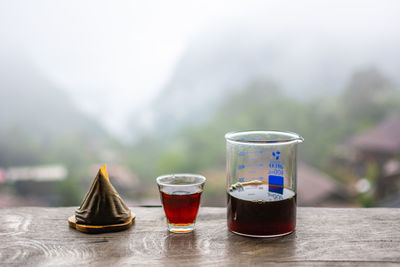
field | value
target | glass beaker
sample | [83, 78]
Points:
[261, 182]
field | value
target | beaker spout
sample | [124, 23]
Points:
[300, 140]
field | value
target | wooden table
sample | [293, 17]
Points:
[324, 236]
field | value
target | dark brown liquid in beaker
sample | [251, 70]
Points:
[253, 210]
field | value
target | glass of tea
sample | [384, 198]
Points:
[180, 196]
[261, 182]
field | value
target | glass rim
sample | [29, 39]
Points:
[287, 137]
[177, 175]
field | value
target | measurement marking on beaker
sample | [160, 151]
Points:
[241, 167]
[242, 153]
[241, 179]
[255, 165]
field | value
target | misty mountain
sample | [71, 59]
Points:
[222, 62]
[38, 108]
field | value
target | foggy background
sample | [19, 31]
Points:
[151, 87]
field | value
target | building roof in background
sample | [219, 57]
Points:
[313, 186]
[384, 137]
[41, 173]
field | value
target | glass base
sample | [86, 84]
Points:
[262, 236]
[176, 228]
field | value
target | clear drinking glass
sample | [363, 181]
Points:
[261, 182]
[180, 195]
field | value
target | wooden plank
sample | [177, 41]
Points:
[41, 236]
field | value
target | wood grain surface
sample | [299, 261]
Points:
[349, 237]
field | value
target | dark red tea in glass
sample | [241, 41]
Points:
[180, 195]
[181, 209]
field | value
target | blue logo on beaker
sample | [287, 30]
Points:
[275, 178]
[276, 154]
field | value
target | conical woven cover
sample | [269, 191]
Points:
[102, 204]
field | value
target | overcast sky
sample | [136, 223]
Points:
[114, 56]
